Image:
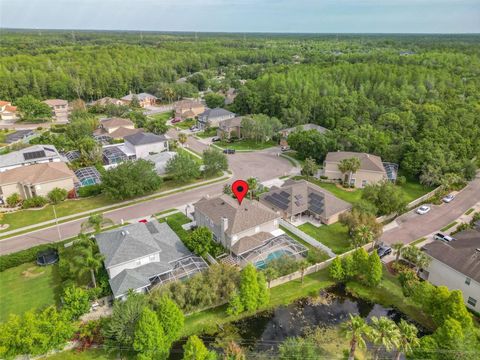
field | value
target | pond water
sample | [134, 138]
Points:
[267, 330]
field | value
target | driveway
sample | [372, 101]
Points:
[412, 226]
[264, 165]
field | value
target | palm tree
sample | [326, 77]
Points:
[302, 265]
[355, 329]
[362, 235]
[416, 257]
[398, 247]
[96, 222]
[349, 166]
[407, 338]
[270, 274]
[252, 186]
[182, 138]
[88, 260]
[384, 333]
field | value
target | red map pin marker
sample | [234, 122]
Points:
[240, 189]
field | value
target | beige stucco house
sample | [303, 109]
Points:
[230, 128]
[38, 179]
[7, 111]
[456, 265]
[371, 168]
[144, 99]
[116, 128]
[59, 109]
[188, 109]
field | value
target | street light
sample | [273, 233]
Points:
[56, 222]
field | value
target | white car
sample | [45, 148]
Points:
[448, 198]
[422, 210]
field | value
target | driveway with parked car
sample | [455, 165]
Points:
[412, 226]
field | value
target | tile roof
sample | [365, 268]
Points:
[141, 138]
[187, 104]
[367, 161]
[302, 195]
[462, 254]
[240, 217]
[3, 103]
[37, 173]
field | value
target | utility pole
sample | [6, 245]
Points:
[56, 222]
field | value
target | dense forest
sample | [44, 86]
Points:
[413, 99]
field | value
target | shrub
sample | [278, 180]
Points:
[401, 180]
[34, 202]
[75, 301]
[13, 200]
[91, 190]
[57, 195]
[24, 256]
[323, 177]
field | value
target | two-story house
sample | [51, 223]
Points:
[140, 256]
[456, 265]
[188, 109]
[249, 231]
[143, 144]
[7, 111]
[213, 117]
[59, 109]
[230, 128]
[144, 99]
[115, 128]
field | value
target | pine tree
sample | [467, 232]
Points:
[150, 341]
[249, 288]
[263, 291]
[171, 318]
[336, 270]
[375, 270]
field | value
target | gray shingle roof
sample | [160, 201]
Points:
[462, 255]
[214, 113]
[139, 240]
[141, 138]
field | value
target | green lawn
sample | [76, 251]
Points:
[162, 116]
[207, 133]
[334, 236]
[186, 124]
[293, 154]
[27, 287]
[412, 190]
[23, 218]
[3, 135]
[198, 160]
[246, 145]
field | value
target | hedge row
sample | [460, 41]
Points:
[28, 255]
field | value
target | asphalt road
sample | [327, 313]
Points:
[412, 226]
[264, 165]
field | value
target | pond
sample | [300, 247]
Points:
[267, 330]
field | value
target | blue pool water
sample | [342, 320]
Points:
[272, 256]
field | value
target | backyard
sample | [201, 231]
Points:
[334, 236]
[185, 124]
[27, 286]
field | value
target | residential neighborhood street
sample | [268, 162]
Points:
[264, 165]
[412, 226]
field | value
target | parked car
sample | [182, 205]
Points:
[285, 148]
[422, 210]
[384, 250]
[143, 221]
[440, 236]
[194, 128]
[229, 151]
[176, 120]
[448, 198]
[215, 139]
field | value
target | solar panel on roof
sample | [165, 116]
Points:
[34, 155]
[276, 202]
[284, 194]
[298, 203]
[298, 196]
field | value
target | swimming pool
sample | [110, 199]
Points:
[272, 256]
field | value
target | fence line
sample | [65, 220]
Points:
[312, 269]
[307, 238]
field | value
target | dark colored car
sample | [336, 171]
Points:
[229, 151]
[215, 139]
[384, 250]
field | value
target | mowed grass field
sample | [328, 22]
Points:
[27, 287]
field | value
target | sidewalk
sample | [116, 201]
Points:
[117, 206]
